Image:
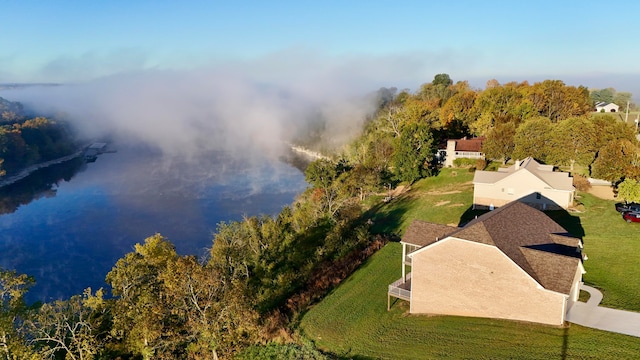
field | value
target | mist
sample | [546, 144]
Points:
[241, 108]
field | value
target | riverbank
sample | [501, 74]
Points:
[30, 169]
[313, 154]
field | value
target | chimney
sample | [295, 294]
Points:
[517, 165]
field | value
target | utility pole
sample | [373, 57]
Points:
[626, 118]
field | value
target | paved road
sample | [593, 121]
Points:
[591, 315]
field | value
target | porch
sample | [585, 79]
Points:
[400, 289]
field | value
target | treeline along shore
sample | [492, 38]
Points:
[8, 180]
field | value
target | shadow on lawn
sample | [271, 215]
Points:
[386, 217]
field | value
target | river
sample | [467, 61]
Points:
[68, 224]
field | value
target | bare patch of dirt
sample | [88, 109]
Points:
[443, 192]
[442, 203]
[456, 205]
[401, 189]
[602, 191]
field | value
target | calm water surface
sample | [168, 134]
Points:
[67, 225]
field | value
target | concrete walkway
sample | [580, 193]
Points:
[591, 315]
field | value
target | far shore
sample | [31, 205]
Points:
[4, 181]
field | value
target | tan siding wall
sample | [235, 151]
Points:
[457, 277]
[522, 183]
[575, 289]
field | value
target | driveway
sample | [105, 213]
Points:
[591, 315]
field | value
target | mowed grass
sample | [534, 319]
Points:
[443, 199]
[613, 250]
[353, 321]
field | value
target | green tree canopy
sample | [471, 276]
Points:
[573, 142]
[602, 95]
[615, 161]
[629, 190]
[414, 151]
[499, 143]
[532, 138]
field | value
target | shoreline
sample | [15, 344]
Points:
[310, 153]
[31, 169]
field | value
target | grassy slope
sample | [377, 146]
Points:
[353, 321]
[613, 248]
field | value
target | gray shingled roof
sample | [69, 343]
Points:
[422, 233]
[535, 242]
[556, 180]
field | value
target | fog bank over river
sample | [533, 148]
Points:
[72, 234]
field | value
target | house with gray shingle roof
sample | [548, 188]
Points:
[606, 107]
[526, 180]
[511, 263]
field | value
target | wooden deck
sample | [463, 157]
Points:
[400, 289]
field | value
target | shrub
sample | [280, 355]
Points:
[464, 162]
[581, 183]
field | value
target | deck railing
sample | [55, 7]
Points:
[401, 289]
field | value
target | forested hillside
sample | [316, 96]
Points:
[26, 141]
[263, 272]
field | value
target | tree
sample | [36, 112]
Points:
[622, 99]
[322, 174]
[414, 151]
[215, 315]
[2, 172]
[140, 312]
[442, 80]
[69, 328]
[532, 138]
[13, 310]
[610, 129]
[555, 100]
[499, 143]
[629, 190]
[602, 95]
[459, 107]
[499, 104]
[615, 161]
[573, 142]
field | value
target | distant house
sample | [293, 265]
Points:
[511, 263]
[463, 148]
[528, 180]
[606, 107]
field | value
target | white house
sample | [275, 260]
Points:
[606, 107]
[463, 148]
[511, 263]
[528, 181]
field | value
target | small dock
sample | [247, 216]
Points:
[92, 151]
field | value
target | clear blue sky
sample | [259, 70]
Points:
[59, 41]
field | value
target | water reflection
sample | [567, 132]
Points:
[41, 183]
[69, 234]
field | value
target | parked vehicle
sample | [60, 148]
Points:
[625, 207]
[631, 217]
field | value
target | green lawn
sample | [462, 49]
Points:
[613, 248]
[352, 321]
[444, 199]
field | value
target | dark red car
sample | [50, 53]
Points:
[631, 217]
